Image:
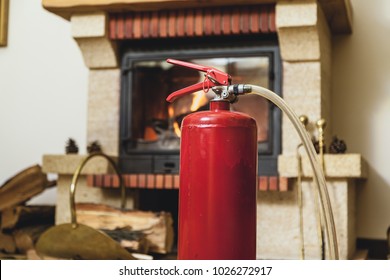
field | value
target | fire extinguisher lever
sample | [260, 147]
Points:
[213, 77]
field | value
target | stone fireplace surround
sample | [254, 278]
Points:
[305, 29]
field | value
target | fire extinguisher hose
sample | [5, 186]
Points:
[319, 177]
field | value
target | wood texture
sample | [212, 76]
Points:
[25, 238]
[157, 227]
[23, 186]
[21, 216]
[7, 243]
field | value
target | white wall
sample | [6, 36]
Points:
[43, 89]
[361, 108]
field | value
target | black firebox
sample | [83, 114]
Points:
[150, 127]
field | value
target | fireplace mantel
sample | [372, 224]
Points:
[337, 12]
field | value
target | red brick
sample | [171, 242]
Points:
[168, 181]
[163, 24]
[190, 23]
[90, 180]
[176, 181]
[283, 184]
[115, 181]
[198, 22]
[235, 21]
[226, 22]
[273, 183]
[264, 20]
[172, 24]
[217, 22]
[208, 22]
[112, 27]
[180, 23]
[272, 20]
[263, 183]
[150, 181]
[134, 181]
[137, 26]
[159, 181]
[254, 21]
[245, 20]
[145, 25]
[120, 27]
[142, 181]
[154, 25]
[129, 26]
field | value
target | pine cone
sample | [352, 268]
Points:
[94, 147]
[71, 147]
[337, 146]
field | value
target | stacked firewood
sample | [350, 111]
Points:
[21, 225]
[138, 231]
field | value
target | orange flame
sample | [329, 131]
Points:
[170, 111]
[176, 128]
[199, 99]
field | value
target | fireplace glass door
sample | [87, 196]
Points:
[150, 126]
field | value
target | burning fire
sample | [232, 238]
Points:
[174, 123]
[176, 128]
[199, 99]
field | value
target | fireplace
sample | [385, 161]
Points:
[150, 127]
[116, 37]
[149, 140]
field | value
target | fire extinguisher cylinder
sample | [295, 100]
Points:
[217, 197]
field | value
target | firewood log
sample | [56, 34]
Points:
[21, 216]
[157, 227]
[7, 243]
[23, 186]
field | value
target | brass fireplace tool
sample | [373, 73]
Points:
[304, 120]
[78, 241]
[320, 124]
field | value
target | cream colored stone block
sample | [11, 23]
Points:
[303, 31]
[67, 164]
[89, 25]
[336, 166]
[299, 43]
[103, 109]
[278, 228]
[296, 13]
[86, 194]
[99, 52]
[302, 92]
[107, 133]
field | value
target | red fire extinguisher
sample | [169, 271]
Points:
[218, 171]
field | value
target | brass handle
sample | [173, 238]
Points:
[75, 179]
[321, 124]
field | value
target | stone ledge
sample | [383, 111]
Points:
[67, 164]
[336, 166]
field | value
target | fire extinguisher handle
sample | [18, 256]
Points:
[188, 64]
[184, 91]
[213, 77]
